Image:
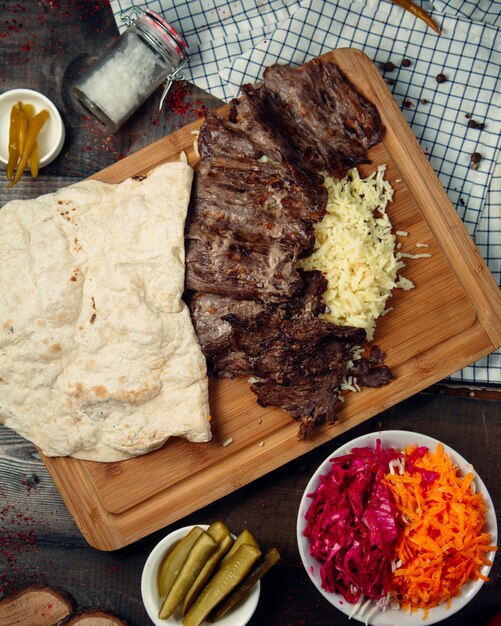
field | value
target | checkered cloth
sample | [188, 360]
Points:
[232, 41]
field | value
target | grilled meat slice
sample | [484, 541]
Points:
[248, 224]
[289, 349]
[311, 403]
[317, 118]
[299, 359]
[222, 265]
[319, 96]
[243, 134]
[370, 371]
[219, 137]
[250, 116]
[253, 202]
[309, 117]
[211, 314]
[208, 312]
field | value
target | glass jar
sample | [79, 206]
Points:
[148, 53]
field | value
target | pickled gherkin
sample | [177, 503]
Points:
[244, 537]
[208, 572]
[263, 566]
[175, 559]
[231, 573]
[220, 533]
[202, 549]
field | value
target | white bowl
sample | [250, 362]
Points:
[238, 616]
[399, 440]
[51, 138]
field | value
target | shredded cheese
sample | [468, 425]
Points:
[355, 251]
[408, 255]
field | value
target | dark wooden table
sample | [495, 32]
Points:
[44, 45]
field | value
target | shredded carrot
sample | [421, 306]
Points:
[443, 543]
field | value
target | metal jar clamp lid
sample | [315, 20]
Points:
[165, 36]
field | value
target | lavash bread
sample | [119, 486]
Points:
[98, 356]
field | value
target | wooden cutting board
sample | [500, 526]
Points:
[451, 319]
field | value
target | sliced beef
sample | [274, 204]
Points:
[254, 202]
[370, 371]
[300, 360]
[245, 133]
[250, 221]
[310, 117]
[319, 96]
[302, 365]
[215, 317]
[317, 119]
[220, 137]
[207, 312]
[288, 355]
[252, 118]
[311, 403]
[248, 224]
[221, 265]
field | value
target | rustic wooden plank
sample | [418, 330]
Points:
[451, 319]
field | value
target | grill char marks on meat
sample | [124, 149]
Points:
[219, 138]
[208, 312]
[300, 359]
[309, 117]
[250, 221]
[244, 133]
[248, 224]
[323, 122]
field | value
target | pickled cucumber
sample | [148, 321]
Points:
[218, 530]
[271, 558]
[245, 537]
[220, 533]
[202, 549]
[224, 581]
[175, 560]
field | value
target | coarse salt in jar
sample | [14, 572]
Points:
[147, 54]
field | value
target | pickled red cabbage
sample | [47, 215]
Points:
[352, 524]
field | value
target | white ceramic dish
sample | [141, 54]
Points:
[51, 138]
[238, 616]
[399, 440]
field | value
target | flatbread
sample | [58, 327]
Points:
[98, 356]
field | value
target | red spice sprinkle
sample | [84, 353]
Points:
[18, 545]
[176, 98]
[177, 103]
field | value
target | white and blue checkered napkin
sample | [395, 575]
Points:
[232, 41]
